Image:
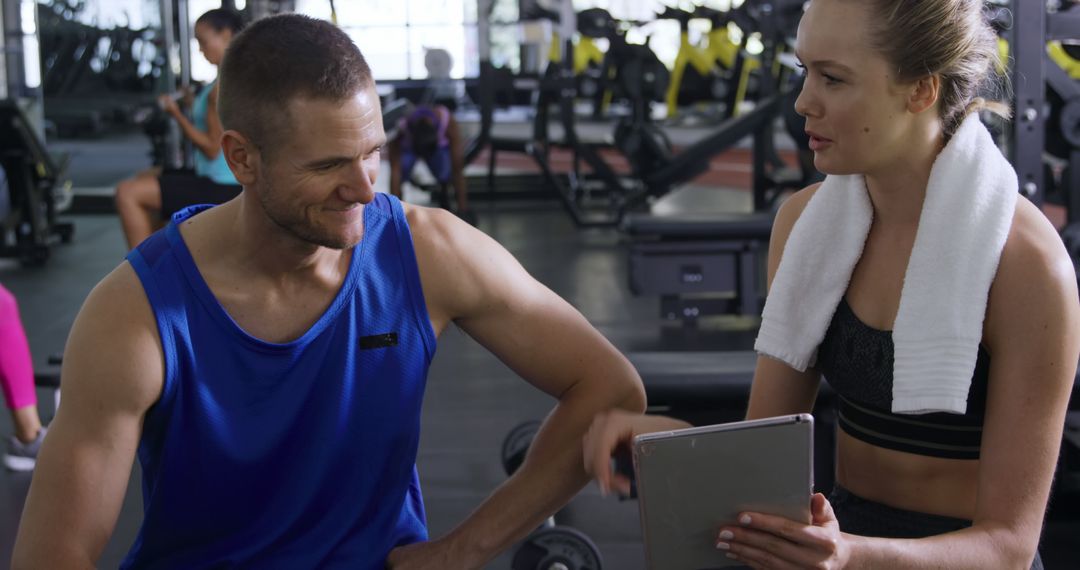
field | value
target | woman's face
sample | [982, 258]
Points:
[856, 112]
[212, 43]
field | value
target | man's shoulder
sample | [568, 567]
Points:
[432, 223]
[114, 343]
[121, 297]
[121, 286]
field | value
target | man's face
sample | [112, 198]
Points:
[322, 168]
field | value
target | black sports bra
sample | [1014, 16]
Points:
[857, 361]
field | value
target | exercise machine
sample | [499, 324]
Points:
[698, 262]
[716, 71]
[35, 183]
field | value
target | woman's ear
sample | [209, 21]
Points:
[925, 92]
[242, 156]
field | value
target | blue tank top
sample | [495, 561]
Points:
[294, 455]
[217, 169]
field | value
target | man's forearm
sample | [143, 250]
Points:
[52, 558]
[552, 474]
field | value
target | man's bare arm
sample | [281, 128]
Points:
[471, 280]
[112, 374]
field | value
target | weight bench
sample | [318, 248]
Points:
[699, 264]
[701, 380]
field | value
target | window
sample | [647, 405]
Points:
[394, 35]
[31, 55]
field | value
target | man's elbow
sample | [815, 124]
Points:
[636, 401]
[631, 393]
[609, 383]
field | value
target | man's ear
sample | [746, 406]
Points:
[242, 156]
[925, 93]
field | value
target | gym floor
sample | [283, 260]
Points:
[472, 400]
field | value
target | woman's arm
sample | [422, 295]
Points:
[209, 142]
[779, 389]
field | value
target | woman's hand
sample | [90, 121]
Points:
[765, 541]
[612, 430]
[168, 104]
[186, 97]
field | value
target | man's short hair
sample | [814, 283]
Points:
[278, 59]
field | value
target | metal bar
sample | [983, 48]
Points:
[760, 177]
[749, 303]
[184, 23]
[169, 39]
[486, 85]
[1072, 186]
[12, 65]
[1063, 25]
[567, 26]
[173, 139]
[1059, 80]
[483, 29]
[682, 166]
[1028, 78]
[563, 193]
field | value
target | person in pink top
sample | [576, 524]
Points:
[17, 383]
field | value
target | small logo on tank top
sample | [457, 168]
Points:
[384, 340]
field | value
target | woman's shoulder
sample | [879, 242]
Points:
[1036, 278]
[1033, 248]
[791, 209]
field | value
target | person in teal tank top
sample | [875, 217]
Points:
[215, 169]
[266, 359]
[148, 199]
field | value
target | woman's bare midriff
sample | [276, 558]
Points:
[946, 487]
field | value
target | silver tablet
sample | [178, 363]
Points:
[691, 482]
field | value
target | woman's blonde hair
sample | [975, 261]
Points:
[950, 38]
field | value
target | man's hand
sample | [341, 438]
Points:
[612, 430]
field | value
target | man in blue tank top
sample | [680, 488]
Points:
[305, 310]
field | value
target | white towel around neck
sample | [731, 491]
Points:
[966, 215]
